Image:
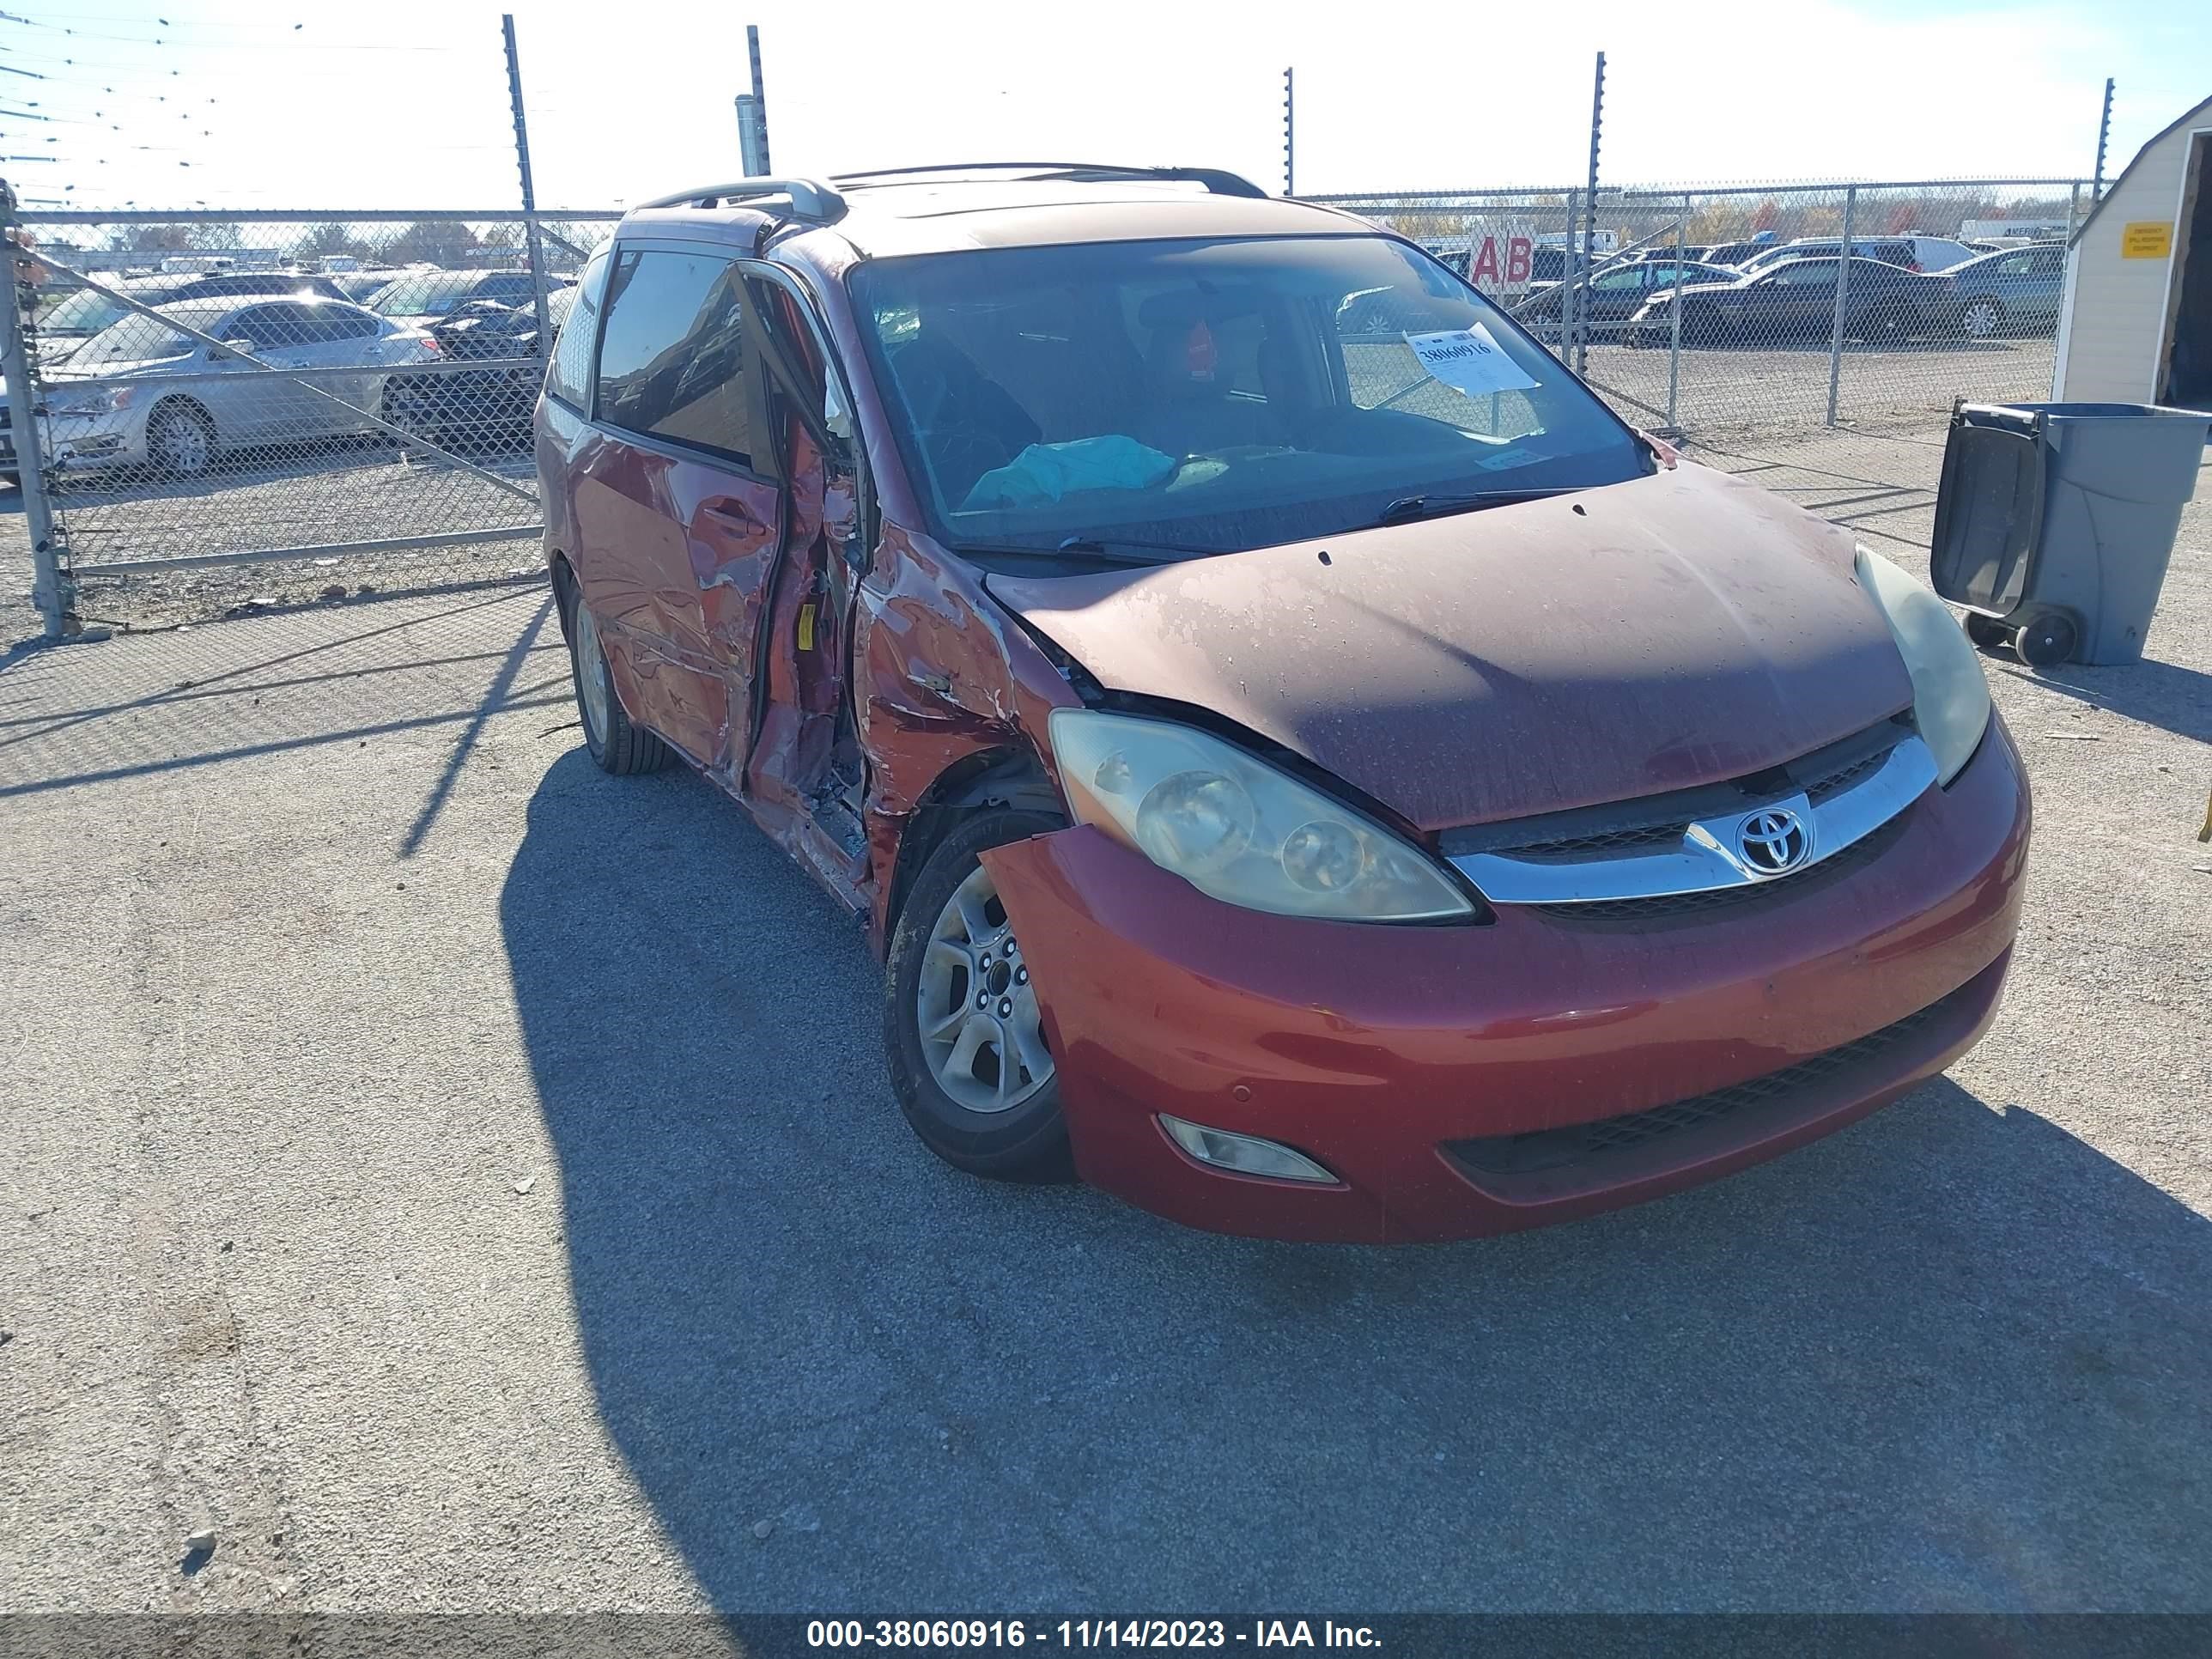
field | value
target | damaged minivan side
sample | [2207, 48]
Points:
[1307, 765]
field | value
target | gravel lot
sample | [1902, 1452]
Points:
[464, 1181]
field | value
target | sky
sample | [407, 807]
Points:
[278, 103]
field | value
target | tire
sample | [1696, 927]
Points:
[619, 746]
[1987, 632]
[1980, 320]
[407, 406]
[181, 439]
[2047, 640]
[1005, 1121]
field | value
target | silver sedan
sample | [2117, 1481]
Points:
[146, 393]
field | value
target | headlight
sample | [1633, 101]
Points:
[1238, 829]
[104, 401]
[1950, 698]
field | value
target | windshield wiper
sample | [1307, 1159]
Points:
[1141, 554]
[1407, 507]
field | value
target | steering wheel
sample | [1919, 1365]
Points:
[961, 452]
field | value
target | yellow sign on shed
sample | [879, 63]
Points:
[2152, 238]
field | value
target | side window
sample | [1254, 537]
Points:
[1809, 273]
[291, 325]
[671, 356]
[345, 324]
[261, 328]
[1627, 277]
[508, 290]
[2016, 265]
[2047, 261]
[569, 376]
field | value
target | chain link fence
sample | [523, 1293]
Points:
[242, 409]
[1726, 312]
[236, 408]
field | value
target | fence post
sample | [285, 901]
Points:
[2073, 209]
[1289, 133]
[1590, 205]
[1842, 298]
[50, 583]
[1674, 345]
[529, 194]
[1567, 288]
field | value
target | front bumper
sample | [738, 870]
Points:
[1425, 1066]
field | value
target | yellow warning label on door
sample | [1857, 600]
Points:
[2151, 240]
[806, 627]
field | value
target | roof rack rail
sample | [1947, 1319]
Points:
[1216, 180]
[811, 200]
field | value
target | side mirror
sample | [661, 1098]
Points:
[229, 349]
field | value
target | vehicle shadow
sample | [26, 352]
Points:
[1954, 1356]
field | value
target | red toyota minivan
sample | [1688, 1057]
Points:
[1305, 762]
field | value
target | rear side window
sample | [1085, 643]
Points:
[671, 354]
[569, 377]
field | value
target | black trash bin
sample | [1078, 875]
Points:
[2054, 523]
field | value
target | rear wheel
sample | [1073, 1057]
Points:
[1981, 319]
[2047, 639]
[962, 1027]
[615, 743]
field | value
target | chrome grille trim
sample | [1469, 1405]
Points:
[1704, 859]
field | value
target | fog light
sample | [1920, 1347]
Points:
[1246, 1154]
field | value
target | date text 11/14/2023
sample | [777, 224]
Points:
[1086, 1633]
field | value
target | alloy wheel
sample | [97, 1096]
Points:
[591, 673]
[974, 1007]
[1981, 319]
[180, 442]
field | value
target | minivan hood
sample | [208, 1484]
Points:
[1674, 631]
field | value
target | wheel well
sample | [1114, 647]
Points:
[564, 588]
[978, 782]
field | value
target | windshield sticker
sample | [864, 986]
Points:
[1468, 360]
[1514, 456]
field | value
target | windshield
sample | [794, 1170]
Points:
[135, 339]
[433, 293]
[1213, 395]
[85, 311]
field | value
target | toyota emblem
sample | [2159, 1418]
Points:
[1772, 843]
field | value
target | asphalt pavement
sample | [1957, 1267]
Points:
[463, 1181]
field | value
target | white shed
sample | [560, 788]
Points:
[2136, 324]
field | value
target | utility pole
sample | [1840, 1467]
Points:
[529, 192]
[760, 104]
[2104, 133]
[1289, 134]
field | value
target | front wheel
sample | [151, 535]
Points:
[181, 439]
[1981, 319]
[962, 1030]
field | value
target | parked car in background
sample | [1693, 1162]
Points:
[1735, 253]
[179, 430]
[1795, 301]
[2013, 289]
[362, 286]
[1611, 297]
[1907, 252]
[75, 319]
[489, 407]
[424, 296]
[1321, 787]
